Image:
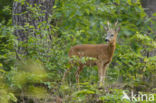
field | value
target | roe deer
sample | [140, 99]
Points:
[102, 52]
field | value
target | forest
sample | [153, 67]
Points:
[42, 40]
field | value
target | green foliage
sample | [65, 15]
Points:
[5, 10]
[7, 54]
[38, 73]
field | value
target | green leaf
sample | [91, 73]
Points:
[154, 14]
[1, 64]
[12, 97]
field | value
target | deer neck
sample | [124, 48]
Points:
[111, 47]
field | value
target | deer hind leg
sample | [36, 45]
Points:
[66, 72]
[80, 68]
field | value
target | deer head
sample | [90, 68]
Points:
[112, 32]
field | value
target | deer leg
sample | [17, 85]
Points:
[65, 73]
[100, 73]
[103, 75]
[80, 68]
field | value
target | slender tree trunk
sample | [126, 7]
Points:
[24, 15]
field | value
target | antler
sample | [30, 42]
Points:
[117, 28]
[108, 26]
[108, 23]
[116, 23]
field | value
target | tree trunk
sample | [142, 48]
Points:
[150, 8]
[29, 13]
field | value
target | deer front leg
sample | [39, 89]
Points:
[100, 67]
[102, 72]
[103, 75]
